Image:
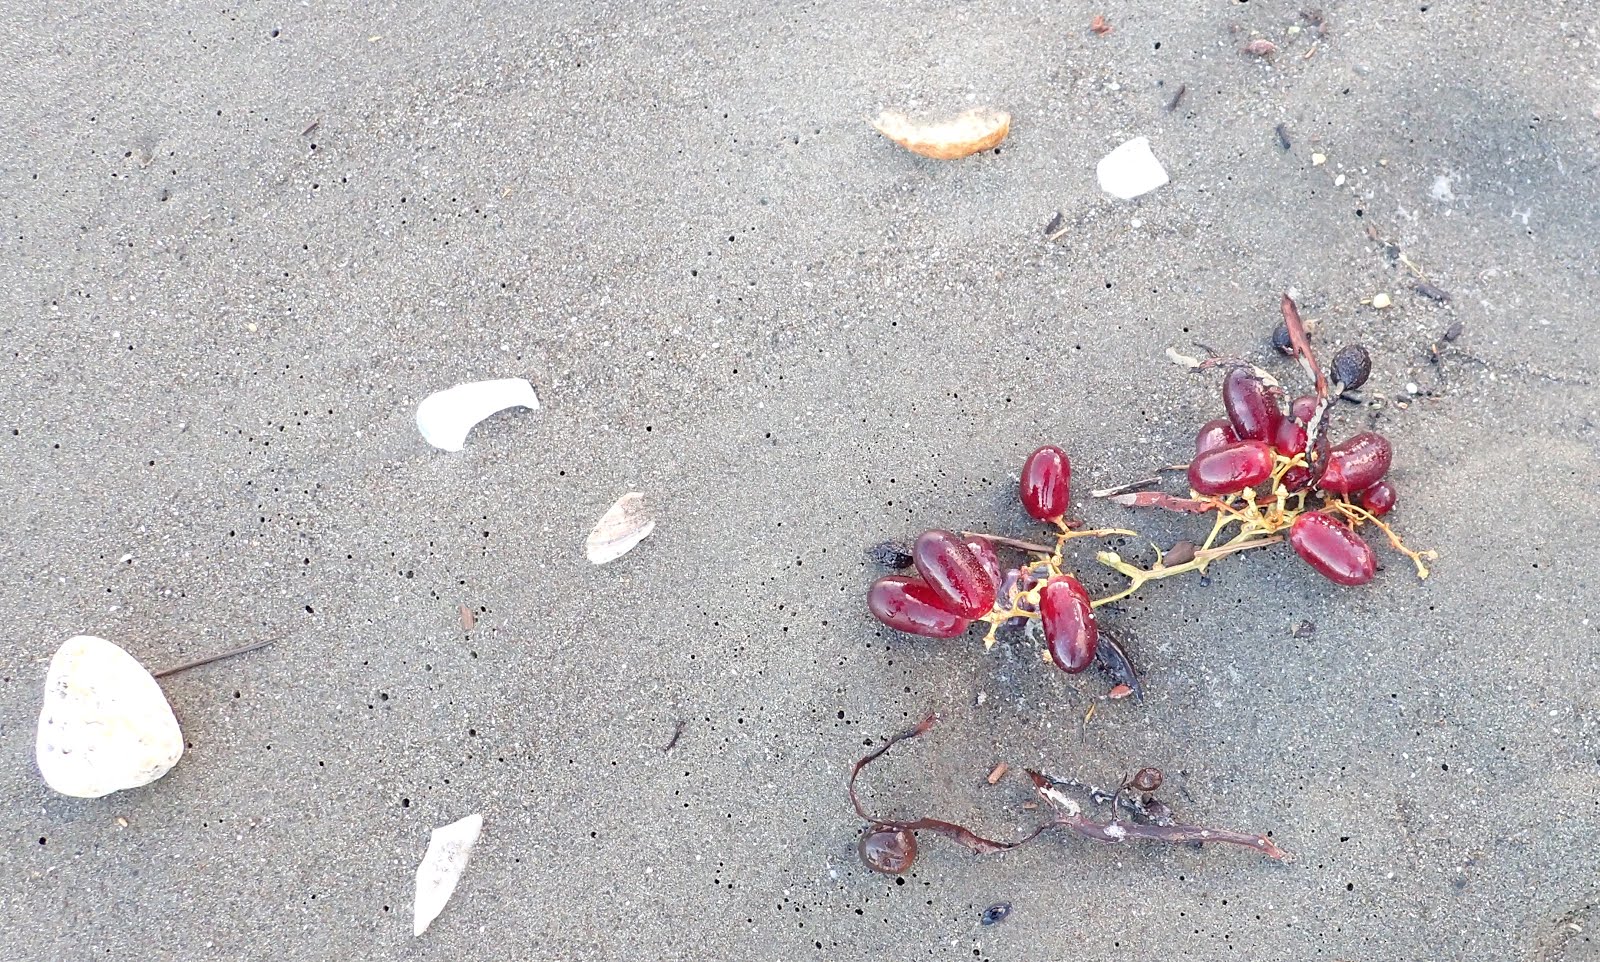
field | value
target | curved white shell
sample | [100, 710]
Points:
[629, 522]
[1130, 170]
[105, 725]
[449, 847]
[445, 417]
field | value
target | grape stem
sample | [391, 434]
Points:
[1363, 516]
[1138, 576]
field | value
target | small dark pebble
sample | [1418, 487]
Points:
[1305, 629]
[1430, 292]
[1283, 136]
[1453, 331]
[1205, 581]
[1055, 224]
[890, 554]
[1351, 366]
[995, 913]
[1282, 341]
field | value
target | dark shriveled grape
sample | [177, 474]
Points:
[1351, 366]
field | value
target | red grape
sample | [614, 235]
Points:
[1070, 631]
[1296, 478]
[1046, 483]
[1214, 434]
[1252, 410]
[909, 605]
[1378, 499]
[1335, 551]
[984, 552]
[954, 573]
[1232, 468]
[1357, 463]
[888, 850]
[1303, 408]
[1288, 438]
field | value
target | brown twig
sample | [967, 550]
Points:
[1010, 542]
[1161, 499]
[1124, 488]
[243, 649]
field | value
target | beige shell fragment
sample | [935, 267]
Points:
[973, 131]
[105, 725]
[449, 847]
[629, 522]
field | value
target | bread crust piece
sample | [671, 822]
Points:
[969, 133]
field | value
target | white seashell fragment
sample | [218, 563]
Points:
[105, 726]
[1130, 170]
[629, 522]
[445, 417]
[449, 847]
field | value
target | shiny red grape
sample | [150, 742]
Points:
[1233, 468]
[1378, 499]
[1253, 412]
[1214, 434]
[1303, 408]
[954, 573]
[1357, 463]
[1296, 478]
[1336, 552]
[1070, 631]
[888, 850]
[984, 552]
[911, 606]
[1046, 483]
[1288, 438]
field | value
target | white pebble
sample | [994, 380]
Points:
[105, 725]
[1381, 301]
[1130, 170]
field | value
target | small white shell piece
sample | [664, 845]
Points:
[445, 417]
[1130, 170]
[629, 522]
[105, 725]
[449, 847]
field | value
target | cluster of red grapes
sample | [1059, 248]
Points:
[1272, 474]
[959, 580]
[1258, 467]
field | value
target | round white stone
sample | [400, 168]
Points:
[105, 725]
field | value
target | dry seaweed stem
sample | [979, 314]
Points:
[1068, 814]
